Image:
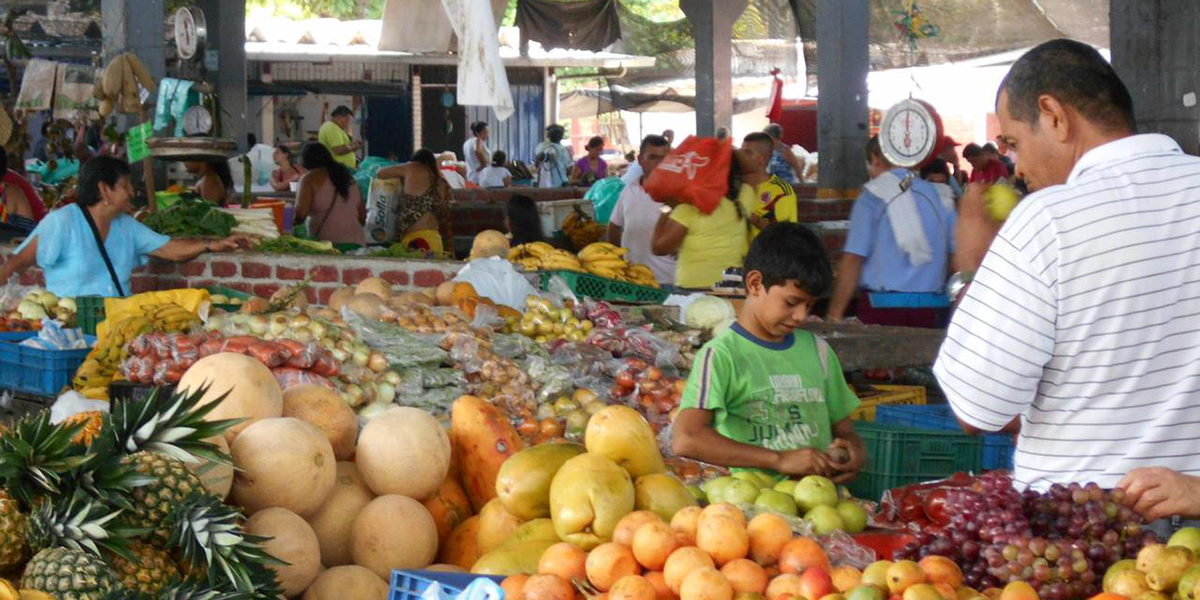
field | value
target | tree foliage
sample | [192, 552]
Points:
[305, 9]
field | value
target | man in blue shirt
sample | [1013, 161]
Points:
[898, 250]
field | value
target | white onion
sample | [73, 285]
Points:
[391, 378]
[386, 393]
[258, 324]
[377, 362]
[339, 355]
[360, 358]
[354, 393]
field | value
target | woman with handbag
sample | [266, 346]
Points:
[329, 200]
[92, 246]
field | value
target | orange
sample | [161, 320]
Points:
[706, 584]
[653, 543]
[608, 563]
[845, 578]
[548, 587]
[768, 533]
[514, 586]
[724, 509]
[787, 584]
[802, 553]
[682, 562]
[939, 569]
[745, 575]
[565, 560]
[632, 587]
[629, 524]
[684, 524]
[723, 538]
[659, 582]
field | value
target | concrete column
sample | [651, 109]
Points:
[227, 36]
[136, 26]
[1154, 50]
[842, 110]
[712, 25]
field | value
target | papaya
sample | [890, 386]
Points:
[523, 483]
[537, 529]
[461, 548]
[449, 507]
[512, 559]
[622, 435]
[483, 439]
[454, 473]
[588, 496]
[661, 494]
[495, 525]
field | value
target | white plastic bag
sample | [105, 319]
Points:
[381, 211]
[495, 278]
[72, 403]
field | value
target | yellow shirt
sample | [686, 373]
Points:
[714, 243]
[332, 136]
[774, 199]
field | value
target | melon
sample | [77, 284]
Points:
[253, 391]
[444, 294]
[375, 285]
[393, 532]
[339, 297]
[368, 306]
[347, 581]
[333, 521]
[284, 463]
[489, 243]
[291, 540]
[325, 409]
[216, 476]
[404, 451]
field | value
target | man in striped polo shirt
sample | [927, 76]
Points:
[1081, 326]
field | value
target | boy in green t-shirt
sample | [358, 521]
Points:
[762, 394]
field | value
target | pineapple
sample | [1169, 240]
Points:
[209, 537]
[37, 456]
[91, 421]
[171, 425]
[153, 504]
[149, 572]
[13, 547]
[68, 574]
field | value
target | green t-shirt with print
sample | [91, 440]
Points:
[782, 396]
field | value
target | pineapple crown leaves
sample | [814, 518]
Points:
[106, 478]
[172, 425]
[81, 523]
[208, 534]
[198, 590]
[36, 455]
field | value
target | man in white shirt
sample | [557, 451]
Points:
[1078, 327]
[636, 213]
[475, 151]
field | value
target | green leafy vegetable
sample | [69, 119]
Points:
[189, 217]
[293, 245]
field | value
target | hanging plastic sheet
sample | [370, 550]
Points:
[481, 77]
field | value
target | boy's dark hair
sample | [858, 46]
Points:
[499, 158]
[936, 166]
[655, 140]
[785, 252]
[972, 150]
[990, 148]
[759, 137]
[1076, 75]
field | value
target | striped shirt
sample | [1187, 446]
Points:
[1084, 320]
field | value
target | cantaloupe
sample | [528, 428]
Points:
[217, 476]
[444, 294]
[339, 297]
[282, 462]
[368, 306]
[334, 520]
[253, 391]
[393, 532]
[347, 581]
[322, 407]
[489, 243]
[403, 451]
[291, 540]
[375, 285]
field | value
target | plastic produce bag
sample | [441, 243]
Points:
[481, 588]
[367, 170]
[696, 173]
[72, 403]
[496, 279]
[604, 195]
[52, 336]
[380, 227]
[402, 349]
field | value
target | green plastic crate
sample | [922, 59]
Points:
[231, 293]
[602, 288]
[89, 311]
[899, 456]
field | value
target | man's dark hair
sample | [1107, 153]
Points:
[99, 169]
[555, 133]
[1076, 75]
[477, 127]
[990, 148]
[775, 130]
[3, 162]
[760, 137]
[251, 140]
[341, 110]
[785, 252]
[873, 149]
[936, 166]
[971, 150]
[655, 140]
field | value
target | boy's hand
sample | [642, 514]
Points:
[804, 461]
[848, 470]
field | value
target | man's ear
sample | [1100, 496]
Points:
[1053, 115]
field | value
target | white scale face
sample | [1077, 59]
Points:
[188, 32]
[197, 121]
[909, 133]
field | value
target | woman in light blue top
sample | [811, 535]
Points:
[65, 245]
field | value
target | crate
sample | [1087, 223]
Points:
[408, 585]
[898, 456]
[36, 371]
[602, 288]
[554, 212]
[997, 449]
[89, 310]
[127, 391]
[217, 289]
[887, 395]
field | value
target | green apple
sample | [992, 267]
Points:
[777, 501]
[865, 592]
[749, 476]
[844, 493]
[715, 488]
[814, 491]
[825, 519]
[1114, 570]
[697, 493]
[1188, 537]
[1001, 200]
[739, 491]
[853, 516]
[766, 481]
[787, 486]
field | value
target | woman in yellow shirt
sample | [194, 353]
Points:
[705, 245]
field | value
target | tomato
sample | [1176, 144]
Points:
[625, 379]
[654, 373]
[650, 385]
[935, 506]
[659, 393]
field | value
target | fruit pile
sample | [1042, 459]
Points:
[601, 259]
[816, 498]
[1160, 570]
[162, 359]
[1058, 541]
[544, 323]
[39, 304]
[655, 393]
[111, 349]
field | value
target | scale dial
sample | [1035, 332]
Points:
[190, 32]
[197, 121]
[911, 133]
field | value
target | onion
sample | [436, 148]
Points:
[370, 392]
[279, 324]
[319, 330]
[386, 393]
[302, 334]
[328, 344]
[301, 320]
[361, 347]
[391, 378]
[377, 362]
[258, 324]
[360, 358]
[346, 346]
[373, 410]
[339, 355]
[354, 394]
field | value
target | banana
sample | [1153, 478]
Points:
[516, 252]
[609, 273]
[600, 248]
[539, 249]
[616, 265]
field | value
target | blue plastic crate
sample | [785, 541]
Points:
[408, 585]
[36, 371]
[997, 449]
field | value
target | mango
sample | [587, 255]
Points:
[588, 496]
[495, 525]
[661, 494]
[622, 435]
[537, 529]
[523, 483]
[512, 559]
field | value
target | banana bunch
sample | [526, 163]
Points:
[581, 228]
[103, 362]
[540, 255]
[640, 274]
[603, 259]
[117, 88]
